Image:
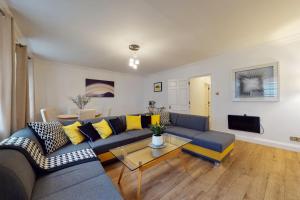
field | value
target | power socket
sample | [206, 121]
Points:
[295, 139]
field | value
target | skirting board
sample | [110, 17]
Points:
[271, 143]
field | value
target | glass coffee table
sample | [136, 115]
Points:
[141, 155]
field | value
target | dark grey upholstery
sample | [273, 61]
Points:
[191, 121]
[183, 132]
[67, 178]
[214, 140]
[69, 148]
[104, 145]
[17, 178]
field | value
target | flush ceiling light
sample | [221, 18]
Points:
[133, 60]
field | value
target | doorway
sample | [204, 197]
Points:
[200, 96]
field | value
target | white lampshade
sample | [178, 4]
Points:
[134, 66]
[131, 61]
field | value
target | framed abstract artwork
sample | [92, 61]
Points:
[99, 88]
[257, 83]
[157, 87]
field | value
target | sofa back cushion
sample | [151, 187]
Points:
[173, 118]
[117, 126]
[50, 134]
[16, 175]
[190, 121]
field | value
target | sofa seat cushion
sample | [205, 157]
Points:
[99, 187]
[104, 145]
[214, 140]
[67, 179]
[70, 148]
[183, 132]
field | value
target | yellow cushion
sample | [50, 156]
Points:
[155, 119]
[103, 129]
[73, 133]
[133, 122]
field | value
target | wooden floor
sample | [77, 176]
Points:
[251, 172]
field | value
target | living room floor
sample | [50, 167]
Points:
[252, 171]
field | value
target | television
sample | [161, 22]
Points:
[244, 123]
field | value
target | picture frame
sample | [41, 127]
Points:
[99, 88]
[256, 83]
[157, 87]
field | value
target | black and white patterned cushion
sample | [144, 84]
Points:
[47, 164]
[164, 117]
[50, 134]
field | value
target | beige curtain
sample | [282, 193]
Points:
[31, 90]
[16, 81]
[6, 65]
[20, 96]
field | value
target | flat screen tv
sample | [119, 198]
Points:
[244, 123]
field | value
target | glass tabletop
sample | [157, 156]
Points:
[140, 153]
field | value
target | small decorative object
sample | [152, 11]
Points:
[99, 88]
[158, 87]
[258, 83]
[157, 137]
[81, 101]
[151, 106]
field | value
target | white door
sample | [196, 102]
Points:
[178, 96]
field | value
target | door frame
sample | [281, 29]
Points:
[211, 96]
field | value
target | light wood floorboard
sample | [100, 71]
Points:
[251, 172]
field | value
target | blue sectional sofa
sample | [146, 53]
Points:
[19, 180]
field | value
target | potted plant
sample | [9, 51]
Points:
[157, 131]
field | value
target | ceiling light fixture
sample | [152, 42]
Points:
[133, 60]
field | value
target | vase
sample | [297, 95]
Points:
[157, 140]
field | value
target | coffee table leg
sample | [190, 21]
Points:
[121, 174]
[139, 186]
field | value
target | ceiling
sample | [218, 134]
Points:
[171, 33]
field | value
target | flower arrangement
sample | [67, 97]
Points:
[81, 101]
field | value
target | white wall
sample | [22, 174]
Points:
[56, 82]
[279, 119]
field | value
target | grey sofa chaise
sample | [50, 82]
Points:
[211, 145]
